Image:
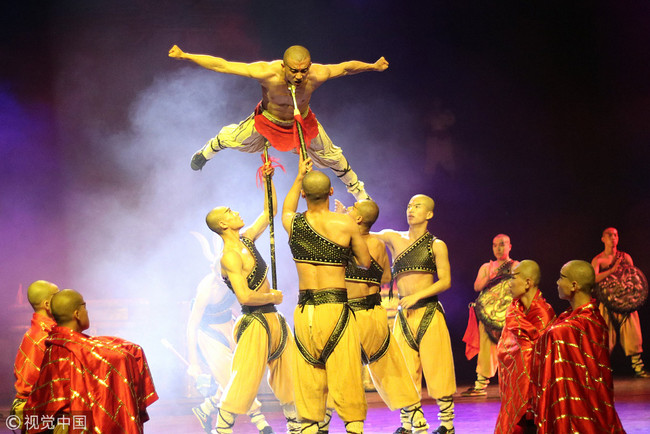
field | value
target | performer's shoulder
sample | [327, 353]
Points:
[597, 257]
[437, 242]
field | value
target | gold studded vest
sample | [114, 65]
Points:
[309, 246]
[417, 257]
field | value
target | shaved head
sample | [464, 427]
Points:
[529, 270]
[582, 273]
[368, 210]
[214, 217]
[316, 186]
[297, 53]
[424, 200]
[608, 230]
[39, 292]
[64, 304]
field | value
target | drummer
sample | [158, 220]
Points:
[490, 275]
[610, 262]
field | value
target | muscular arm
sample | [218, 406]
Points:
[293, 196]
[359, 246]
[257, 70]
[257, 228]
[387, 236]
[232, 266]
[327, 72]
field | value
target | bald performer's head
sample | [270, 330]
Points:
[214, 217]
[316, 187]
[529, 270]
[525, 281]
[69, 310]
[39, 294]
[368, 210]
[222, 218]
[582, 273]
[426, 201]
[419, 209]
[577, 278]
[296, 53]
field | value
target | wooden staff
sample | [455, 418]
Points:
[269, 200]
[296, 112]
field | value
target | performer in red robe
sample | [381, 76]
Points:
[526, 318]
[32, 348]
[92, 384]
[573, 389]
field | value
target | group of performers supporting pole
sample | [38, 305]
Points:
[339, 279]
[339, 323]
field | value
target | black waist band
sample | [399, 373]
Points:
[322, 296]
[265, 308]
[365, 303]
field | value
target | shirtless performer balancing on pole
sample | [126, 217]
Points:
[273, 118]
[328, 363]
[420, 327]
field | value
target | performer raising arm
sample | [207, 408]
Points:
[329, 359]
[261, 331]
[420, 327]
[273, 118]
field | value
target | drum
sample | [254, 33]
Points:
[490, 307]
[624, 291]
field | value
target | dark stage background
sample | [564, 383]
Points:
[528, 118]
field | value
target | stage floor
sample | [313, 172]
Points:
[473, 415]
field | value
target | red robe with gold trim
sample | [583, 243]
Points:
[514, 352]
[105, 379]
[573, 389]
[30, 354]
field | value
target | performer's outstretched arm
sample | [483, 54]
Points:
[327, 72]
[256, 70]
[261, 223]
[293, 196]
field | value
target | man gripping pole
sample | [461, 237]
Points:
[273, 118]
